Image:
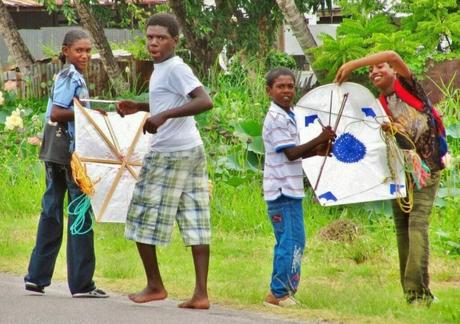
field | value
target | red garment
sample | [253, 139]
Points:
[433, 146]
[414, 102]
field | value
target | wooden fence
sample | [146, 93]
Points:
[38, 84]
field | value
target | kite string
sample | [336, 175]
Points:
[405, 204]
[330, 108]
[376, 118]
[416, 170]
[82, 203]
[80, 176]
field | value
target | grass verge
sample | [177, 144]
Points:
[347, 281]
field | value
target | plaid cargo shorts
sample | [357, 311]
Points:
[171, 186]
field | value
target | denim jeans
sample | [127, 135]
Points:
[286, 216]
[80, 248]
[413, 243]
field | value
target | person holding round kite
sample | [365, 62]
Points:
[420, 133]
[283, 184]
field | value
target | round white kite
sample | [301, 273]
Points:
[360, 169]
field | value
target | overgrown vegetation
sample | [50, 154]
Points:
[351, 256]
[350, 270]
[417, 30]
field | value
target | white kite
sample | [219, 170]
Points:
[364, 166]
[111, 149]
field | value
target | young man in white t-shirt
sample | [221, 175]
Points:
[173, 183]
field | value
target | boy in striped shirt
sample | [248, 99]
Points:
[283, 184]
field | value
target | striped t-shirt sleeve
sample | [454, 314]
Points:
[280, 136]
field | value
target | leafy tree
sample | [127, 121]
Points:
[366, 8]
[416, 36]
[401, 39]
[237, 25]
[205, 29]
[275, 58]
[14, 41]
[94, 27]
[65, 7]
[431, 21]
[366, 27]
[334, 52]
[355, 38]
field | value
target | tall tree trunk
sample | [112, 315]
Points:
[202, 53]
[108, 60]
[299, 26]
[204, 48]
[14, 42]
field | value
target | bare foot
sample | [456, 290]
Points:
[148, 294]
[195, 303]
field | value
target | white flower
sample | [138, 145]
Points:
[127, 70]
[17, 112]
[2, 100]
[14, 120]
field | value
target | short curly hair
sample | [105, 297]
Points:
[166, 20]
[274, 74]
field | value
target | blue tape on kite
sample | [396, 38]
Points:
[394, 188]
[310, 119]
[368, 112]
[328, 196]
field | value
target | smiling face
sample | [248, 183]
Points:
[382, 76]
[282, 91]
[160, 43]
[78, 53]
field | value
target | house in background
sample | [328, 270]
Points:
[40, 29]
[43, 33]
[288, 43]
[28, 14]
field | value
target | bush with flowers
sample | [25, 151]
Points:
[14, 121]
[20, 120]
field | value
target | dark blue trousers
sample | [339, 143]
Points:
[80, 248]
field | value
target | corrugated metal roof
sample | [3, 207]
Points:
[22, 3]
[36, 4]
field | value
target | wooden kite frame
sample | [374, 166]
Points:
[113, 145]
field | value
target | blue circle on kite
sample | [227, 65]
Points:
[349, 149]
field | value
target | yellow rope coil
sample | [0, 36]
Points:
[405, 203]
[80, 177]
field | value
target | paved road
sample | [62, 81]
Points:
[18, 306]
